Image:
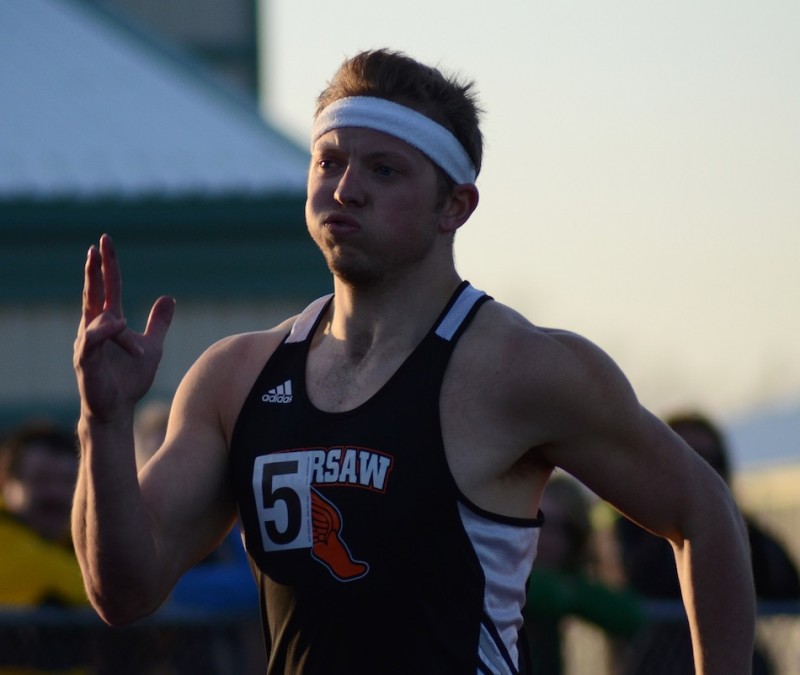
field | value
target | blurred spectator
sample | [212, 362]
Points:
[562, 584]
[38, 567]
[649, 565]
[38, 469]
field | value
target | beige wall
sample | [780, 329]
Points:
[36, 344]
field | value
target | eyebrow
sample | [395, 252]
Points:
[371, 156]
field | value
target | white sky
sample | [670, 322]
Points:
[641, 182]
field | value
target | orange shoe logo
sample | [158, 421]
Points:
[328, 547]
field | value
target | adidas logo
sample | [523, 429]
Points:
[280, 394]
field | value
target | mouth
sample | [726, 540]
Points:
[338, 223]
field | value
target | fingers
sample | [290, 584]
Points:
[102, 285]
[112, 279]
[129, 342]
[103, 318]
[160, 319]
[93, 293]
[102, 300]
[157, 325]
[104, 327]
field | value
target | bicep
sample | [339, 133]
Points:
[624, 454]
[644, 471]
[185, 485]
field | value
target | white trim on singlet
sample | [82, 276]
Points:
[505, 551]
[452, 321]
[446, 329]
[308, 317]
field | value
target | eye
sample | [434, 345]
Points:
[385, 170]
[327, 164]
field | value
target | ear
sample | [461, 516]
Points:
[458, 207]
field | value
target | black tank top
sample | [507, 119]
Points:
[368, 558]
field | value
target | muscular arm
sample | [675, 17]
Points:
[135, 535]
[558, 401]
[632, 460]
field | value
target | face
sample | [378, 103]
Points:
[41, 495]
[371, 204]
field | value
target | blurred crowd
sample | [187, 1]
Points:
[213, 609]
[623, 580]
[610, 577]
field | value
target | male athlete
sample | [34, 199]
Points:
[386, 450]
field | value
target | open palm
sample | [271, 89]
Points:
[115, 366]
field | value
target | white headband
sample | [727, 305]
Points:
[416, 129]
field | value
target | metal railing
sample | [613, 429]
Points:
[170, 642]
[178, 642]
[662, 646]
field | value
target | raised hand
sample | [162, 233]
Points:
[115, 366]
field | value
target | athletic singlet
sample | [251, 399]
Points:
[368, 558]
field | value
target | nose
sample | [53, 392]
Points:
[350, 190]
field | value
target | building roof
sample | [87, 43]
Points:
[105, 129]
[92, 109]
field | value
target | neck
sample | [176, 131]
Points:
[364, 321]
[366, 336]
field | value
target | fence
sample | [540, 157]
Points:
[171, 642]
[663, 648]
[179, 643]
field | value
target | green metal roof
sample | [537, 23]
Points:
[109, 131]
[193, 248]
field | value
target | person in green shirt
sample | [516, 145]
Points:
[562, 585]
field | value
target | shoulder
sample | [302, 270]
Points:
[506, 328]
[216, 385]
[530, 356]
[519, 399]
[550, 383]
[244, 348]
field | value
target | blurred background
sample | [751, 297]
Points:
[640, 186]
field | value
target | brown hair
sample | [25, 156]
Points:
[394, 76]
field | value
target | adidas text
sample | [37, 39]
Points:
[280, 394]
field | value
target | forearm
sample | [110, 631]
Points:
[717, 586]
[112, 533]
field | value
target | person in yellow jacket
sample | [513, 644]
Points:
[35, 571]
[38, 567]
